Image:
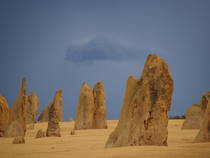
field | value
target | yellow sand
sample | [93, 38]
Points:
[90, 144]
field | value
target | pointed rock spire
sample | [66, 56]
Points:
[53, 128]
[143, 119]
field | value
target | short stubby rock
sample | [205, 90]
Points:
[40, 134]
[72, 132]
[18, 140]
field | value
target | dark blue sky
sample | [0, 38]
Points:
[60, 44]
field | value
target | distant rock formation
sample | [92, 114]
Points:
[40, 134]
[204, 133]
[44, 116]
[32, 108]
[20, 105]
[18, 140]
[91, 108]
[59, 102]
[14, 129]
[193, 117]
[85, 108]
[53, 128]
[4, 115]
[143, 119]
[24, 110]
[99, 117]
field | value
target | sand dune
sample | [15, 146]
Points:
[90, 144]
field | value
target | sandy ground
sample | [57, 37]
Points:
[90, 144]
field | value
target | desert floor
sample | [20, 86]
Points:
[90, 144]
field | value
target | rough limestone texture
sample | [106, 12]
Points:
[40, 134]
[18, 140]
[44, 116]
[91, 108]
[30, 126]
[143, 119]
[14, 129]
[53, 128]
[32, 108]
[193, 117]
[4, 115]
[20, 105]
[204, 133]
[85, 108]
[99, 118]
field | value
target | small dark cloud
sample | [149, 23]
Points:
[102, 49]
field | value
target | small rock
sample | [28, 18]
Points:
[18, 140]
[40, 134]
[72, 132]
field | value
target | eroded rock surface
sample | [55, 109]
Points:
[193, 117]
[44, 116]
[19, 107]
[32, 108]
[143, 119]
[85, 108]
[204, 133]
[4, 115]
[40, 134]
[53, 128]
[14, 129]
[91, 108]
[99, 118]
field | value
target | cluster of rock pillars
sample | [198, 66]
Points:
[143, 119]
